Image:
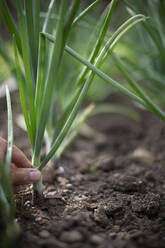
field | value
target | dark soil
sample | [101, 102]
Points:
[107, 190]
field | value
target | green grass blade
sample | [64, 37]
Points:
[116, 37]
[12, 229]
[27, 64]
[67, 27]
[125, 27]
[29, 8]
[4, 205]
[103, 31]
[10, 133]
[40, 77]
[22, 94]
[48, 15]
[6, 174]
[73, 10]
[53, 69]
[99, 41]
[85, 12]
[36, 22]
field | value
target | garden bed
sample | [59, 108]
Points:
[107, 190]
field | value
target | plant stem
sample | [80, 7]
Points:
[38, 187]
[35, 161]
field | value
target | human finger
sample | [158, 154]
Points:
[18, 157]
[21, 176]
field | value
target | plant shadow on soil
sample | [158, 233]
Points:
[101, 193]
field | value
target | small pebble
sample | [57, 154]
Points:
[80, 198]
[100, 217]
[60, 170]
[95, 239]
[38, 219]
[91, 206]
[44, 234]
[63, 181]
[69, 186]
[113, 206]
[143, 156]
[71, 236]
[41, 221]
[27, 204]
[112, 235]
[105, 163]
[51, 194]
[126, 183]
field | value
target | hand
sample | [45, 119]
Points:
[21, 168]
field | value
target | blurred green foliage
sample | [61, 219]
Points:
[144, 48]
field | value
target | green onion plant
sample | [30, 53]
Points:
[42, 52]
[9, 227]
[65, 87]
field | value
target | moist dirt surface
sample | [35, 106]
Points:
[107, 190]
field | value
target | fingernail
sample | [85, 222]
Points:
[35, 175]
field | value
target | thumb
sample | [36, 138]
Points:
[25, 176]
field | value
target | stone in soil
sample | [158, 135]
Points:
[126, 183]
[143, 156]
[100, 216]
[71, 236]
[44, 234]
